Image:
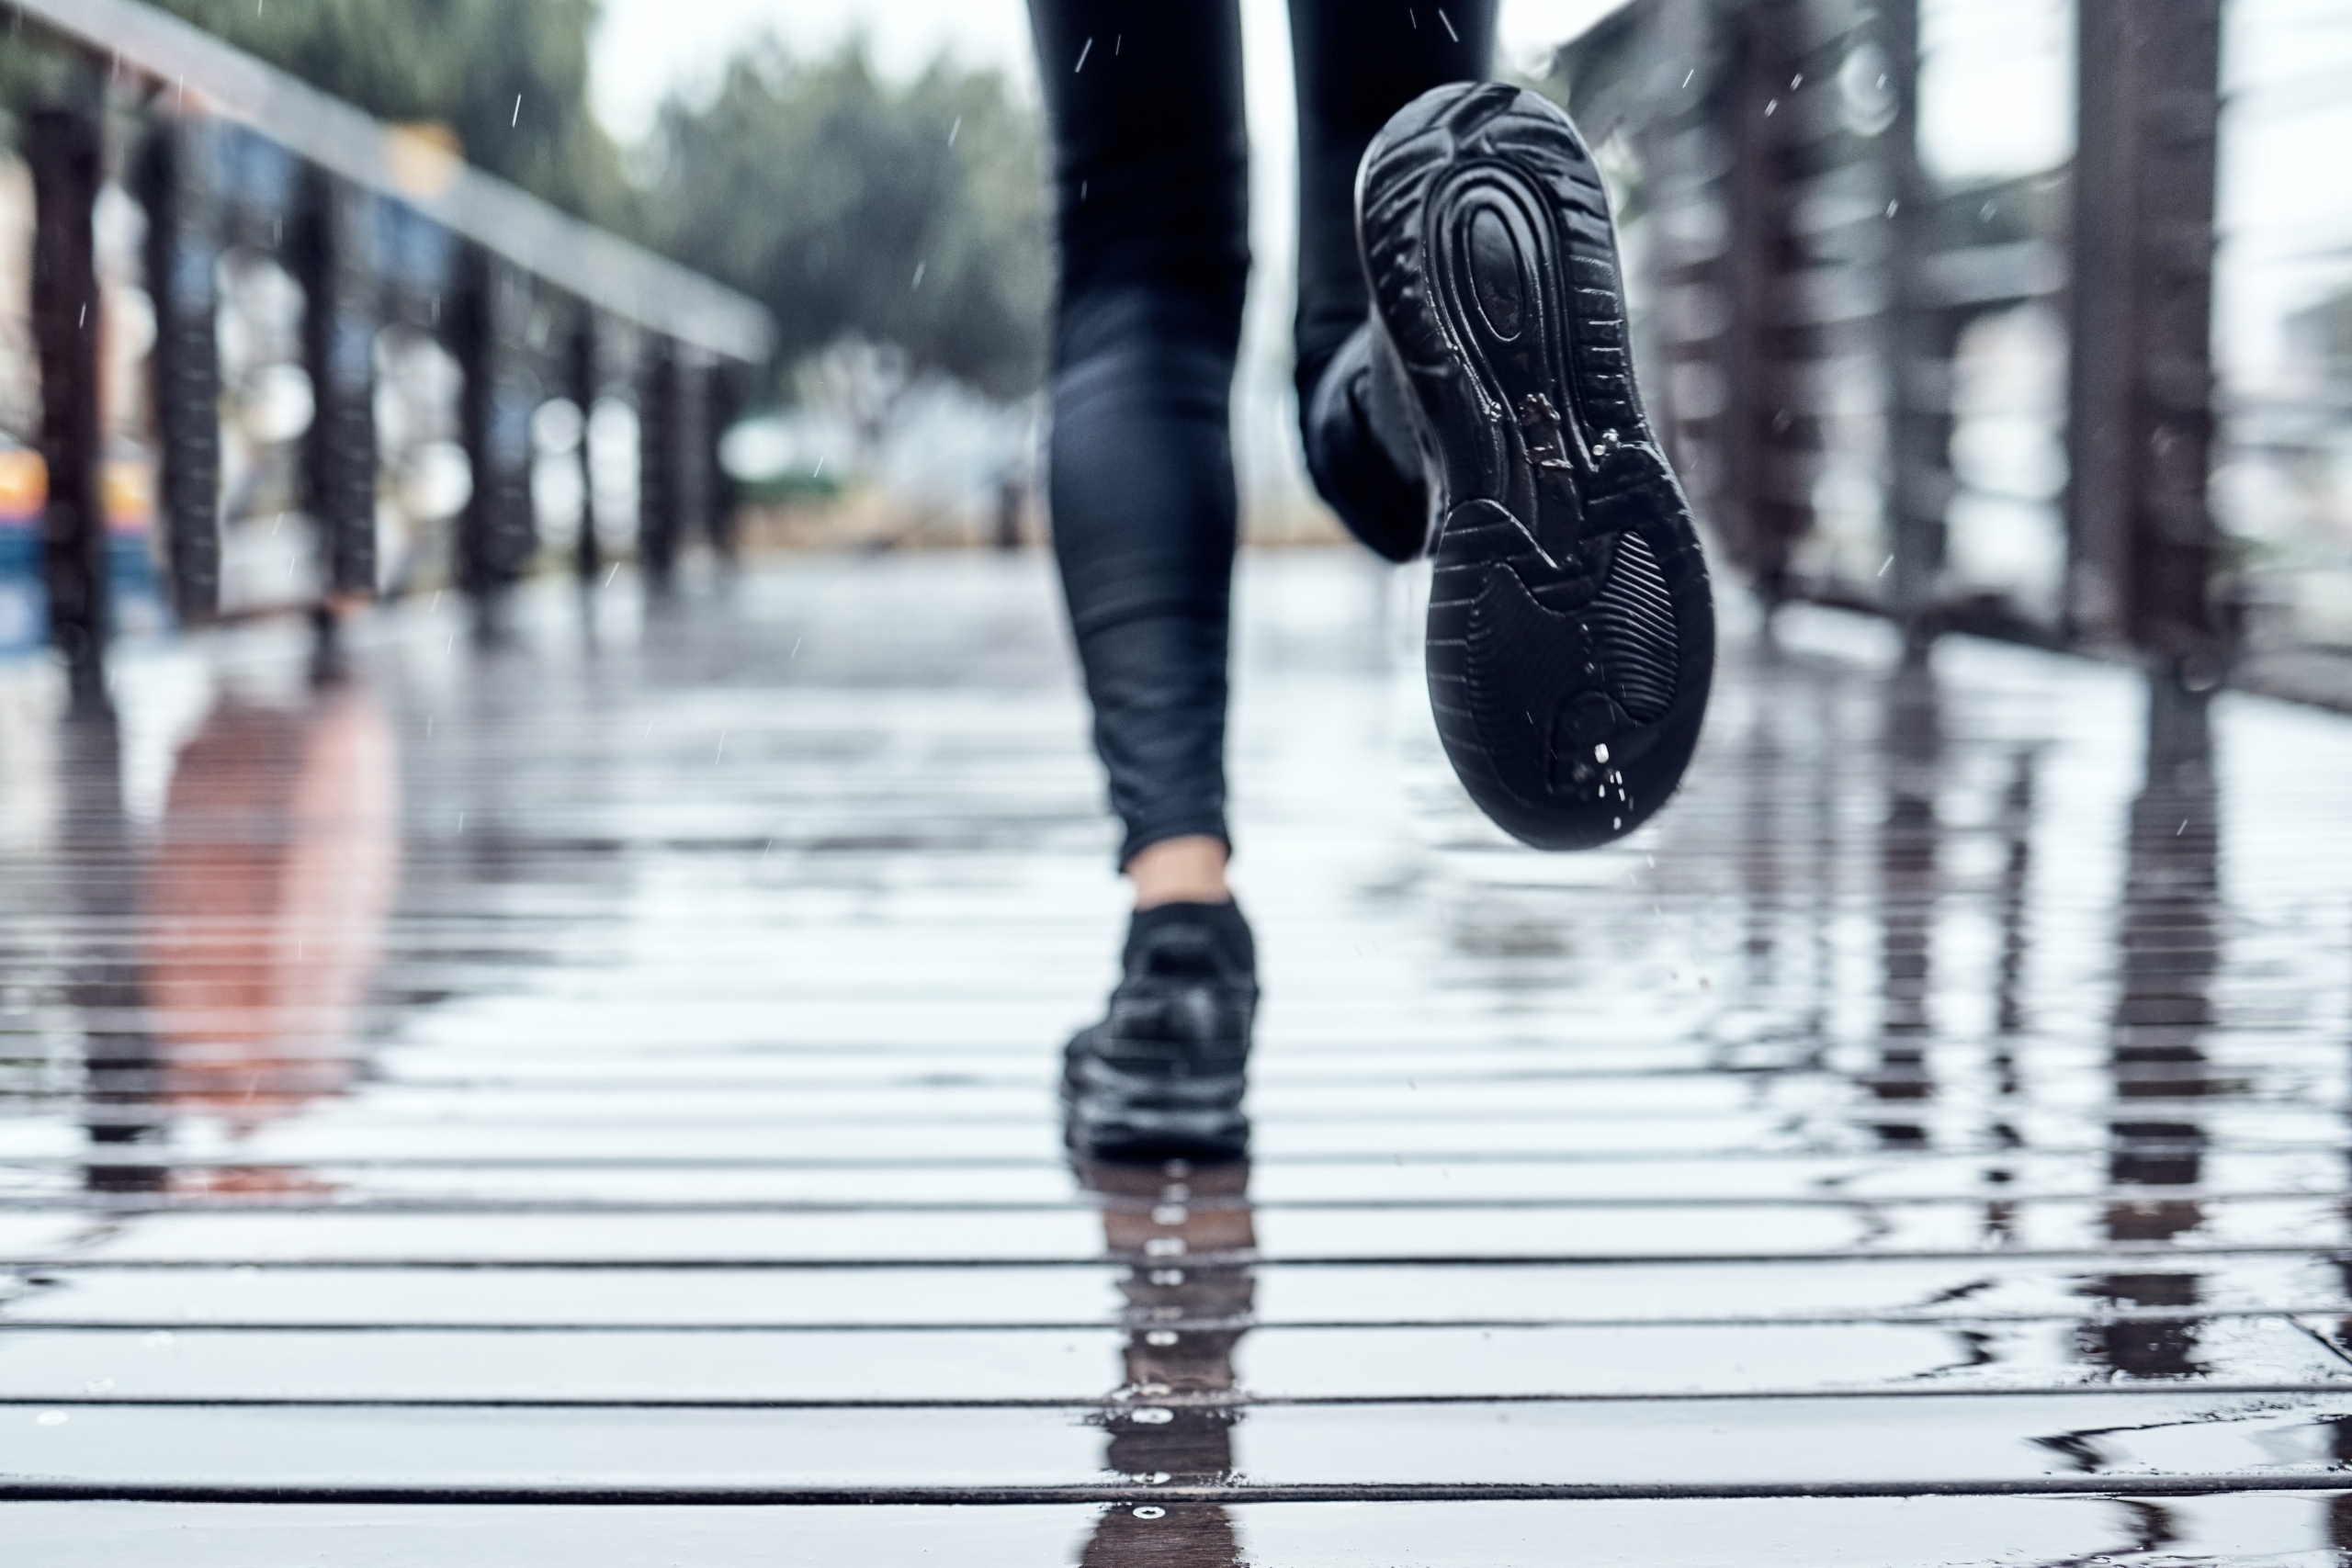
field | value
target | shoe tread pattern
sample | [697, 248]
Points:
[1570, 633]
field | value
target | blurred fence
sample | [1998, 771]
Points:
[1994, 403]
[258, 351]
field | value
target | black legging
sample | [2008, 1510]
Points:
[1151, 177]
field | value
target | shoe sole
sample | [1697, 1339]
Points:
[1571, 633]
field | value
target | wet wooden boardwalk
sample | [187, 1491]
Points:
[591, 1104]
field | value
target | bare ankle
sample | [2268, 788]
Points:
[1190, 870]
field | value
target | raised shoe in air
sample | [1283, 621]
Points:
[1571, 634]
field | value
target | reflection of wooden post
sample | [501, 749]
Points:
[61, 146]
[177, 181]
[2139, 535]
[497, 533]
[333, 257]
[582, 384]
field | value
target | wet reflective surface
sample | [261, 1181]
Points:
[611, 1077]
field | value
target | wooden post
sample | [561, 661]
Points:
[497, 533]
[659, 503]
[2140, 539]
[63, 147]
[1760, 513]
[583, 384]
[178, 184]
[722, 405]
[334, 259]
[1917, 353]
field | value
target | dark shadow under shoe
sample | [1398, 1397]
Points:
[1571, 634]
[1162, 1076]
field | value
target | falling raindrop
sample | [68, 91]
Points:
[918, 268]
[516, 118]
[1885, 564]
[1687, 76]
[1771, 105]
[1084, 49]
[954, 130]
[1449, 25]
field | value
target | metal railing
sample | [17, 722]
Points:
[1814, 308]
[381, 229]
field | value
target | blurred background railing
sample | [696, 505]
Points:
[271, 353]
[2103, 401]
[2024, 317]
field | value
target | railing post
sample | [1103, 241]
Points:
[2140, 539]
[178, 181]
[583, 383]
[1762, 513]
[1918, 380]
[659, 503]
[335, 261]
[63, 147]
[497, 533]
[723, 406]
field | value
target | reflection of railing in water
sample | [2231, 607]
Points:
[2169, 953]
[378, 229]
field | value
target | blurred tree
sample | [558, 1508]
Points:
[908, 214]
[509, 77]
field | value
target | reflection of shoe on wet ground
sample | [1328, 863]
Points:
[1187, 1235]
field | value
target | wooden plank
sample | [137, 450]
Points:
[1911, 1532]
[1971, 1443]
[970, 1366]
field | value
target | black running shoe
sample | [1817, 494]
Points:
[1571, 636]
[1162, 1076]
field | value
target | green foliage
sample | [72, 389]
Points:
[909, 214]
[461, 62]
[814, 187]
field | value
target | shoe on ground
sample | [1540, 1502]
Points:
[1162, 1076]
[1571, 634]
